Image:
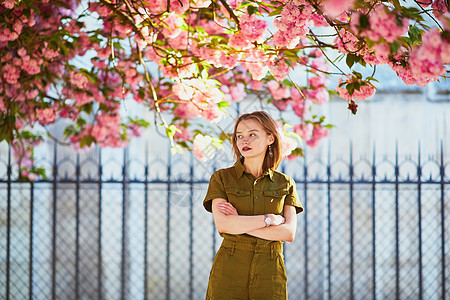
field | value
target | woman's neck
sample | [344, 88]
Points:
[253, 166]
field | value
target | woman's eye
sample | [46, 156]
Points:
[239, 136]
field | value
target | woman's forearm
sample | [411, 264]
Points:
[284, 232]
[235, 224]
[281, 232]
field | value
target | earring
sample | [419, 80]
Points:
[270, 151]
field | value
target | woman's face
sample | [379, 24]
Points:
[251, 139]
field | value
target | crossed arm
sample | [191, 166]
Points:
[229, 221]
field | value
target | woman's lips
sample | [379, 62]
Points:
[246, 149]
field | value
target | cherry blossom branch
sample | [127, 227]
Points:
[231, 12]
[429, 15]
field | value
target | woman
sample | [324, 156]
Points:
[254, 209]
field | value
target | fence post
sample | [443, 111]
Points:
[374, 232]
[352, 250]
[146, 223]
[397, 233]
[54, 190]
[443, 224]
[99, 256]
[419, 204]
[8, 225]
[169, 179]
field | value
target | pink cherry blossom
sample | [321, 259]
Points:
[319, 96]
[11, 74]
[318, 81]
[334, 8]
[383, 25]
[252, 28]
[172, 25]
[185, 135]
[281, 104]
[203, 148]
[46, 115]
[365, 91]
[288, 144]
[304, 131]
[277, 90]
[301, 108]
[319, 133]
[256, 62]
[186, 111]
[9, 4]
[239, 41]
[279, 69]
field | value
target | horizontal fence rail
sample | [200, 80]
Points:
[119, 225]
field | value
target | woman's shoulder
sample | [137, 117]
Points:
[279, 176]
[224, 171]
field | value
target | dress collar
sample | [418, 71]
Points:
[240, 171]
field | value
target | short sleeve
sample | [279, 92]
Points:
[216, 189]
[292, 197]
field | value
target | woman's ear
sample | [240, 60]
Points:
[271, 139]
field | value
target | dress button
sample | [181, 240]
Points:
[257, 247]
[257, 197]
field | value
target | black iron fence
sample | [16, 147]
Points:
[119, 225]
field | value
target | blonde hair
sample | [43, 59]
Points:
[270, 127]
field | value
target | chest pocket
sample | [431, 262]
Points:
[274, 201]
[240, 200]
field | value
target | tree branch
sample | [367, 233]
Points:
[231, 12]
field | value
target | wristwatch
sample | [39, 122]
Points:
[268, 220]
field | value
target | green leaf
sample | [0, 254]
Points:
[372, 79]
[69, 130]
[81, 122]
[350, 88]
[87, 108]
[276, 11]
[171, 130]
[252, 9]
[357, 75]
[86, 141]
[394, 47]
[223, 104]
[351, 59]
[397, 4]
[363, 22]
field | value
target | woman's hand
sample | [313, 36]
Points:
[227, 208]
[276, 219]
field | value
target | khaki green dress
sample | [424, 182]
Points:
[247, 267]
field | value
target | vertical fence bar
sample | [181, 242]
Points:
[419, 204]
[124, 263]
[212, 219]
[146, 224]
[397, 246]
[329, 222]
[54, 190]
[169, 173]
[77, 229]
[374, 249]
[8, 226]
[30, 258]
[352, 250]
[191, 228]
[443, 284]
[305, 204]
[99, 233]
